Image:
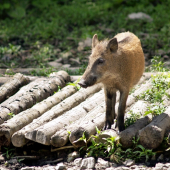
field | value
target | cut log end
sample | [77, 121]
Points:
[151, 136]
[18, 140]
[59, 140]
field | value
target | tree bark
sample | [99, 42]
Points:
[127, 135]
[43, 133]
[12, 86]
[34, 92]
[9, 127]
[152, 135]
[61, 137]
[18, 138]
[88, 128]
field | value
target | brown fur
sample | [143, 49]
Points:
[119, 64]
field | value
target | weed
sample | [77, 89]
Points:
[160, 83]
[9, 153]
[155, 109]
[138, 152]
[11, 115]
[75, 84]
[157, 65]
[132, 118]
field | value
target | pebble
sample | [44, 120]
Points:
[72, 156]
[88, 163]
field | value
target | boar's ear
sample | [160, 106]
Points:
[94, 40]
[113, 45]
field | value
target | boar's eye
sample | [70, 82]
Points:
[100, 61]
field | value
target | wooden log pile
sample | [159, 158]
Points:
[46, 115]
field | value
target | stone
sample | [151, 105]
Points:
[140, 16]
[159, 166]
[77, 162]
[2, 158]
[28, 168]
[160, 158]
[88, 163]
[65, 57]
[60, 166]
[54, 64]
[86, 43]
[72, 156]
[103, 163]
[13, 161]
[48, 167]
[129, 162]
[113, 164]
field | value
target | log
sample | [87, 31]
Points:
[9, 127]
[127, 135]
[152, 135]
[5, 79]
[18, 138]
[43, 133]
[88, 128]
[61, 137]
[12, 86]
[32, 93]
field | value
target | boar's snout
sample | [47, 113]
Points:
[82, 83]
[85, 83]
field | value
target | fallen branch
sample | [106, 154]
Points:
[18, 138]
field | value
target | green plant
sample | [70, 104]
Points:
[75, 84]
[157, 65]
[97, 148]
[11, 115]
[155, 109]
[160, 83]
[9, 153]
[138, 152]
[132, 118]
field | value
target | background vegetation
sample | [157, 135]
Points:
[34, 32]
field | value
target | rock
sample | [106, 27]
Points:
[160, 158]
[54, 64]
[66, 65]
[65, 57]
[3, 168]
[140, 16]
[28, 168]
[13, 161]
[129, 162]
[103, 163]
[113, 164]
[75, 61]
[86, 43]
[60, 166]
[88, 163]
[72, 156]
[46, 167]
[77, 162]
[2, 158]
[153, 158]
[159, 166]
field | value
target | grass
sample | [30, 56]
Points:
[47, 28]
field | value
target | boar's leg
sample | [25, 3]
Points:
[110, 98]
[121, 110]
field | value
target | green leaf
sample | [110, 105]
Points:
[17, 12]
